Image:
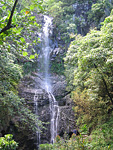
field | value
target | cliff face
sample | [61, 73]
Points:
[77, 17]
[66, 121]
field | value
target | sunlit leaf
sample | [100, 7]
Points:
[25, 53]
[32, 56]
[31, 7]
[36, 24]
[32, 17]
[40, 7]
[22, 39]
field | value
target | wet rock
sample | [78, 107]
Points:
[67, 118]
[56, 53]
[39, 95]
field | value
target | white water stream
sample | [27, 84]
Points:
[53, 104]
[36, 112]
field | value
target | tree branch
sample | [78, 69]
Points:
[105, 84]
[8, 26]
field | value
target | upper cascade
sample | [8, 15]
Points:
[46, 49]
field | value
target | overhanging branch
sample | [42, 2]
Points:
[9, 25]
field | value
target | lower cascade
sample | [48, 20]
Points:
[44, 58]
[54, 110]
[36, 112]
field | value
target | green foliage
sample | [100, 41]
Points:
[71, 61]
[101, 139]
[99, 11]
[75, 143]
[14, 53]
[62, 13]
[46, 147]
[90, 58]
[89, 113]
[96, 12]
[30, 67]
[67, 22]
[32, 5]
[23, 23]
[89, 70]
[57, 66]
[7, 143]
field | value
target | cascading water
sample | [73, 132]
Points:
[36, 112]
[46, 83]
[54, 109]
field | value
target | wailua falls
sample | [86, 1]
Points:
[44, 58]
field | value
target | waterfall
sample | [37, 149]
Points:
[46, 49]
[44, 58]
[53, 104]
[54, 109]
[36, 112]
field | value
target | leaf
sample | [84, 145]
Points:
[40, 7]
[22, 40]
[25, 53]
[36, 24]
[22, 11]
[32, 17]
[4, 7]
[14, 19]
[2, 2]
[1, 42]
[32, 56]
[36, 55]
[31, 7]
[18, 31]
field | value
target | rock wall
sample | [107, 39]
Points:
[31, 87]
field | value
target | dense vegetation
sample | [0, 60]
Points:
[17, 26]
[7, 143]
[68, 20]
[88, 67]
[90, 59]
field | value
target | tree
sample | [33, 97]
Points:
[9, 25]
[90, 59]
[99, 11]
[7, 143]
[16, 24]
[62, 13]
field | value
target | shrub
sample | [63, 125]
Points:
[7, 143]
[46, 147]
